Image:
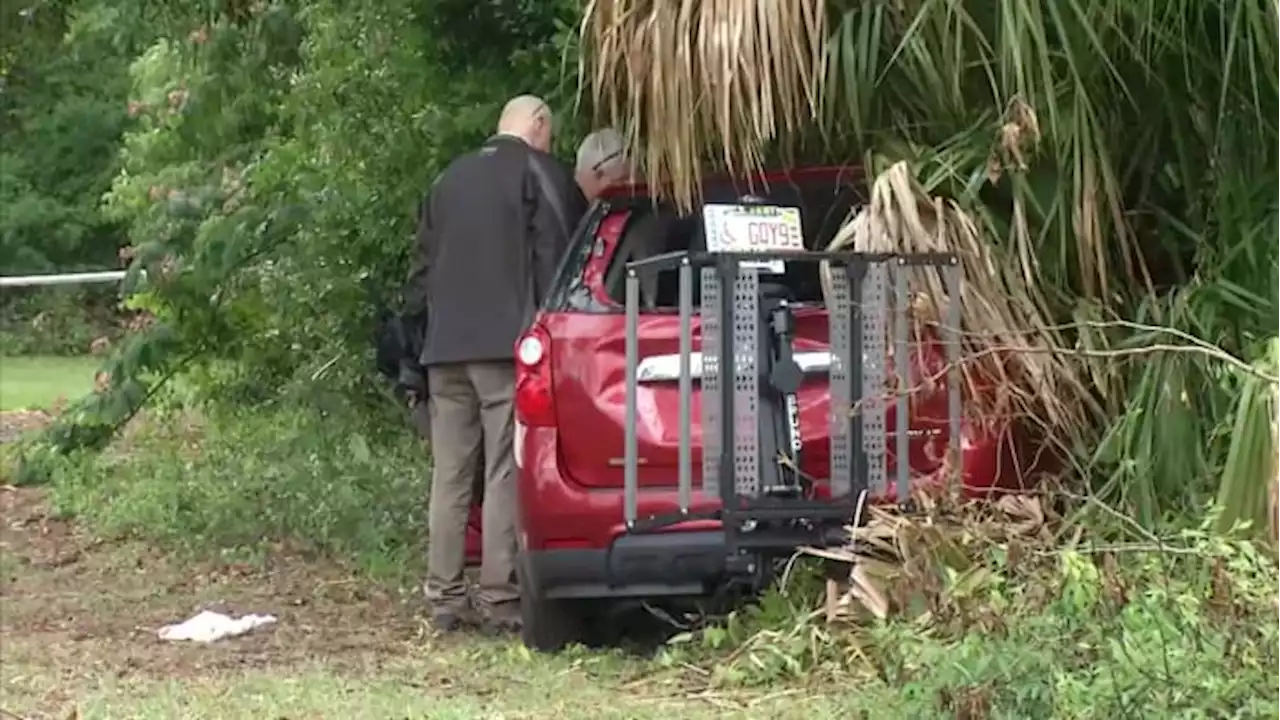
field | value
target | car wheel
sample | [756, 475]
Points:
[546, 625]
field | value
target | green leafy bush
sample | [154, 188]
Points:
[64, 109]
[1184, 631]
[245, 482]
[59, 320]
[270, 183]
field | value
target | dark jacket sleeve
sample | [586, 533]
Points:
[415, 292]
[547, 237]
[578, 204]
[556, 205]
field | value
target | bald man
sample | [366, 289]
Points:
[491, 234]
[601, 163]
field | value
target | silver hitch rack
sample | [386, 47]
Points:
[745, 418]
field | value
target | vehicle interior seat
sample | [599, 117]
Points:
[649, 232]
[646, 235]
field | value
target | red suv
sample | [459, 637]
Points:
[577, 551]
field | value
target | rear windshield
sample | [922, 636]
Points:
[824, 202]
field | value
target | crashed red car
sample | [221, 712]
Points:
[577, 556]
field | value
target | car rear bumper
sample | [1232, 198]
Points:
[634, 566]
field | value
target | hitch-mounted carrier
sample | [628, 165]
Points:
[750, 376]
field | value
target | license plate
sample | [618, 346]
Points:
[753, 228]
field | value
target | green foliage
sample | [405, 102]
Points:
[270, 184]
[65, 87]
[62, 113]
[1188, 631]
[1118, 157]
[1123, 157]
[241, 482]
[58, 320]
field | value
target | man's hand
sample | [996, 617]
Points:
[412, 399]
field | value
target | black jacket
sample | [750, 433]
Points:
[491, 234]
[397, 342]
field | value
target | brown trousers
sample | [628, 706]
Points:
[420, 417]
[471, 422]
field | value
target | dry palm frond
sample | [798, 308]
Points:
[933, 559]
[995, 311]
[692, 77]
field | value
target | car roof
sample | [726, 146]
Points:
[853, 173]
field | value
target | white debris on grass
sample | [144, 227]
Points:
[209, 626]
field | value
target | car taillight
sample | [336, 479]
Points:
[535, 404]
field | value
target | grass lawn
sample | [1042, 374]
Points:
[28, 383]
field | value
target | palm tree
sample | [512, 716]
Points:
[1118, 159]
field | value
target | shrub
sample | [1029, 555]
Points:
[248, 481]
[58, 320]
[1183, 628]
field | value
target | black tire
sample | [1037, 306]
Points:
[546, 625]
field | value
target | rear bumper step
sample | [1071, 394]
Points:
[663, 564]
[635, 566]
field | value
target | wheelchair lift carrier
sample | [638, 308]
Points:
[750, 377]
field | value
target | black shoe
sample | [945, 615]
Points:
[451, 622]
[446, 623]
[499, 628]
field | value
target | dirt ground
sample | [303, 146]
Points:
[75, 607]
[78, 608]
[79, 617]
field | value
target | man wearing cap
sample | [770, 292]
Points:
[601, 163]
[491, 234]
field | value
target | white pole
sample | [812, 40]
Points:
[62, 279]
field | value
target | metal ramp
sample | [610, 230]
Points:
[744, 398]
